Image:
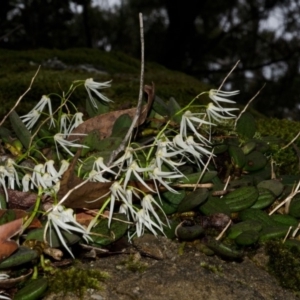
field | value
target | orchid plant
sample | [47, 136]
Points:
[155, 165]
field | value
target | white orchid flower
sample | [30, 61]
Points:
[59, 139]
[100, 166]
[49, 168]
[117, 193]
[160, 176]
[196, 146]
[180, 143]
[164, 153]
[126, 157]
[127, 207]
[213, 112]
[162, 156]
[3, 175]
[26, 181]
[37, 176]
[190, 147]
[2, 296]
[13, 174]
[92, 86]
[63, 219]
[63, 167]
[64, 124]
[53, 189]
[48, 180]
[4, 276]
[189, 120]
[32, 117]
[220, 96]
[147, 202]
[143, 220]
[136, 169]
[95, 176]
[76, 121]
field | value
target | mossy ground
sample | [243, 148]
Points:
[76, 280]
[284, 264]
[18, 67]
[287, 159]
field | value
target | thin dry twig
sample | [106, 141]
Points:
[272, 162]
[291, 142]
[21, 97]
[287, 234]
[228, 75]
[194, 185]
[223, 231]
[204, 169]
[226, 184]
[140, 99]
[287, 200]
[247, 105]
[296, 230]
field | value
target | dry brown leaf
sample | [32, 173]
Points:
[21, 200]
[85, 217]
[105, 122]
[19, 213]
[7, 231]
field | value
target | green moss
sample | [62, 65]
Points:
[213, 268]
[287, 160]
[284, 264]
[76, 280]
[134, 265]
[18, 67]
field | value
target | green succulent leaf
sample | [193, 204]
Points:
[105, 235]
[246, 126]
[160, 107]
[121, 126]
[20, 129]
[93, 111]
[174, 108]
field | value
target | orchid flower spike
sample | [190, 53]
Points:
[63, 219]
[76, 121]
[214, 112]
[193, 121]
[32, 117]
[135, 169]
[60, 140]
[92, 86]
[220, 96]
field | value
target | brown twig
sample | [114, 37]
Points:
[249, 102]
[21, 97]
[140, 99]
[228, 75]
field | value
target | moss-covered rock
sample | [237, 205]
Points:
[18, 67]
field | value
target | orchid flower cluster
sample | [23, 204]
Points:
[154, 166]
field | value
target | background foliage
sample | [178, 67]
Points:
[201, 38]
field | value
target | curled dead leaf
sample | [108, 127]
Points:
[7, 231]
